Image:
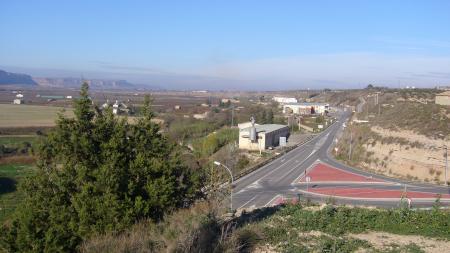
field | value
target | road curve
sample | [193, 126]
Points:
[279, 180]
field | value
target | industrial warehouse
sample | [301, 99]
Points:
[262, 137]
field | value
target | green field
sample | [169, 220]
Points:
[10, 175]
[30, 115]
[14, 141]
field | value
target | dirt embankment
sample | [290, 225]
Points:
[419, 157]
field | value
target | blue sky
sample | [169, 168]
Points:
[271, 44]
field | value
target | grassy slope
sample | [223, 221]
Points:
[292, 228]
[295, 228]
[427, 119]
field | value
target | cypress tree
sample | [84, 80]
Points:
[97, 173]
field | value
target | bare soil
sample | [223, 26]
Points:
[424, 161]
[384, 241]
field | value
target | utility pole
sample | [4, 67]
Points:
[446, 164]
[350, 150]
[232, 116]
[378, 103]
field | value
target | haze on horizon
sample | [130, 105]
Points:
[231, 44]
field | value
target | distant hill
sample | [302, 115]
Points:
[7, 78]
[15, 79]
[72, 82]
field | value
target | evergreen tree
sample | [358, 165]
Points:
[263, 116]
[97, 173]
[269, 116]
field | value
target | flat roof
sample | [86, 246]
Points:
[265, 128]
[306, 103]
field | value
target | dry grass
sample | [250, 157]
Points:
[30, 115]
[17, 159]
[197, 229]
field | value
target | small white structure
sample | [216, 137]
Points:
[68, 97]
[200, 115]
[284, 100]
[116, 107]
[231, 100]
[306, 108]
[17, 101]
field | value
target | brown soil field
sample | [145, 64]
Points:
[30, 115]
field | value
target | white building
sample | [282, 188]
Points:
[284, 100]
[261, 137]
[17, 101]
[116, 107]
[306, 108]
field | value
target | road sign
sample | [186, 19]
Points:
[282, 141]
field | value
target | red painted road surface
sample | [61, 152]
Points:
[374, 193]
[325, 173]
[277, 201]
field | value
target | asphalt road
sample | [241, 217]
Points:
[280, 178]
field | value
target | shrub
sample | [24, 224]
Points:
[97, 173]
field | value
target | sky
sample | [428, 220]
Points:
[266, 45]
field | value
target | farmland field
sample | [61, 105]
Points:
[30, 115]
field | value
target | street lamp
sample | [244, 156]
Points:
[232, 180]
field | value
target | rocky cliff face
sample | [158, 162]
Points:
[76, 82]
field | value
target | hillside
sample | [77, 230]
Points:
[291, 228]
[404, 136]
[8, 78]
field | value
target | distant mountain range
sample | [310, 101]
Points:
[16, 79]
[72, 82]
[7, 78]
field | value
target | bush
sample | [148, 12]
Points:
[196, 229]
[208, 145]
[97, 173]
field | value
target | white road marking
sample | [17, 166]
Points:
[247, 202]
[295, 167]
[270, 201]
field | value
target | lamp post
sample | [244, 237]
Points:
[232, 180]
[446, 164]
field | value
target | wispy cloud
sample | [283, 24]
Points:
[419, 44]
[143, 70]
[339, 69]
